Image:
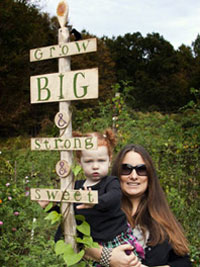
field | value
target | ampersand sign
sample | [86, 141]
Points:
[62, 168]
[61, 120]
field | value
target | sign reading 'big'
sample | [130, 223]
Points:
[72, 85]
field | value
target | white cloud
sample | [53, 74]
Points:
[177, 21]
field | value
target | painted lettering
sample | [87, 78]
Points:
[65, 49]
[46, 142]
[40, 88]
[90, 198]
[62, 171]
[67, 144]
[83, 45]
[52, 195]
[37, 143]
[56, 142]
[75, 142]
[37, 192]
[88, 143]
[38, 54]
[61, 86]
[77, 196]
[51, 51]
[61, 121]
[75, 85]
[66, 195]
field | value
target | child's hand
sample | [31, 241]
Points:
[85, 206]
[43, 203]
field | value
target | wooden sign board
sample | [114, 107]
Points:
[56, 195]
[62, 120]
[62, 168]
[57, 87]
[63, 50]
[74, 143]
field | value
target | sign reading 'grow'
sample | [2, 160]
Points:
[63, 50]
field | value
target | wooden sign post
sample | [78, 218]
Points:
[62, 87]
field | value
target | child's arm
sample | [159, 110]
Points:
[112, 196]
[109, 199]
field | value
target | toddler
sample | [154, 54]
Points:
[108, 222]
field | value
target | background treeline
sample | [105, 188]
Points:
[159, 77]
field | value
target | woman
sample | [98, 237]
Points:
[147, 211]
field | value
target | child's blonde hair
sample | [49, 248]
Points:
[107, 138]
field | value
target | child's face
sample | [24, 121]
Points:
[95, 163]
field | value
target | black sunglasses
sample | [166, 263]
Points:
[140, 169]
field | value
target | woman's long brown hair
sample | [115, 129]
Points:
[153, 213]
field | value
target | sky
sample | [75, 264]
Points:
[178, 21]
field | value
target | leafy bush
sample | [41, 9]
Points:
[173, 140]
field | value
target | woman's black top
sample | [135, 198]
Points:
[163, 254]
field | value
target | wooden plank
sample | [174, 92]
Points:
[62, 168]
[69, 195]
[64, 144]
[71, 85]
[67, 209]
[63, 50]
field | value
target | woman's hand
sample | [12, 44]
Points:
[120, 259]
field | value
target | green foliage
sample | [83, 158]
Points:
[173, 140]
[193, 104]
[23, 231]
[66, 251]
[71, 257]
[53, 217]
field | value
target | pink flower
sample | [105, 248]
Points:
[1, 223]
[14, 229]
[16, 213]
[8, 184]
[9, 198]
[27, 193]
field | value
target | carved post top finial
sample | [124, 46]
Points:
[62, 13]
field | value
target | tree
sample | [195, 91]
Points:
[159, 80]
[22, 27]
[196, 65]
[126, 51]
